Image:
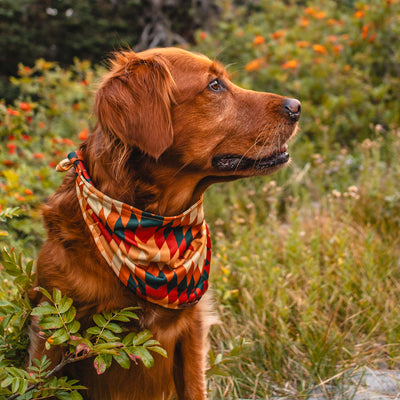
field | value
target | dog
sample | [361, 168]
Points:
[169, 124]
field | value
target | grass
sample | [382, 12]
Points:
[311, 283]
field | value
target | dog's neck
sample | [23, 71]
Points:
[143, 183]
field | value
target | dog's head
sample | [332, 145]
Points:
[183, 112]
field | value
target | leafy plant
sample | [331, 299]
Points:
[105, 341]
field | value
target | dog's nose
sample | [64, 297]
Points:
[293, 109]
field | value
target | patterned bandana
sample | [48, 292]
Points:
[164, 260]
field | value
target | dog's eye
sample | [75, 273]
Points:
[216, 85]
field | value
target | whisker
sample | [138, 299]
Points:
[255, 143]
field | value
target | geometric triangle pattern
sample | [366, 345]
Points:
[164, 260]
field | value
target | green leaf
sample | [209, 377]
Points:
[46, 293]
[123, 360]
[60, 336]
[28, 268]
[65, 304]
[121, 318]
[94, 330]
[129, 314]
[144, 356]
[23, 386]
[99, 320]
[107, 335]
[76, 396]
[69, 315]
[114, 327]
[57, 295]
[141, 337]
[99, 365]
[15, 385]
[7, 382]
[216, 371]
[127, 340]
[43, 309]
[50, 322]
[73, 327]
[108, 345]
[159, 350]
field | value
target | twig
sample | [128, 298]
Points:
[57, 368]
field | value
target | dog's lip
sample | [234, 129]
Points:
[235, 162]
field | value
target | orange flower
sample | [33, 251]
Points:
[254, 65]
[364, 32]
[203, 35]
[278, 34]
[302, 43]
[25, 106]
[291, 64]
[39, 156]
[310, 11]
[67, 141]
[338, 48]
[8, 163]
[258, 40]
[359, 14]
[12, 112]
[320, 15]
[11, 148]
[41, 125]
[28, 192]
[332, 21]
[52, 164]
[318, 48]
[304, 22]
[83, 134]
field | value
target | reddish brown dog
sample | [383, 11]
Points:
[170, 123]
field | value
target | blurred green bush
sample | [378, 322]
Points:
[51, 117]
[61, 30]
[342, 60]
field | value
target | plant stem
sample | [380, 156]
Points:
[57, 368]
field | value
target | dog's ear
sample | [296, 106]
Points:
[134, 102]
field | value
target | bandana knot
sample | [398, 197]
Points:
[164, 260]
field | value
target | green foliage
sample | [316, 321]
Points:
[48, 121]
[61, 30]
[105, 341]
[341, 60]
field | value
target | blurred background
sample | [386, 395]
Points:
[306, 263]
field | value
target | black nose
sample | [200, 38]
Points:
[293, 109]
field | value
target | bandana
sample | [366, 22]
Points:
[164, 260]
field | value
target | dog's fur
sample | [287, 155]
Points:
[163, 135]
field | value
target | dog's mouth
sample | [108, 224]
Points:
[234, 162]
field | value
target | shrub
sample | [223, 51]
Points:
[51, 118]
[61, 31]
[340, 59]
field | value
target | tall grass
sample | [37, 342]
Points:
[311, 283]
